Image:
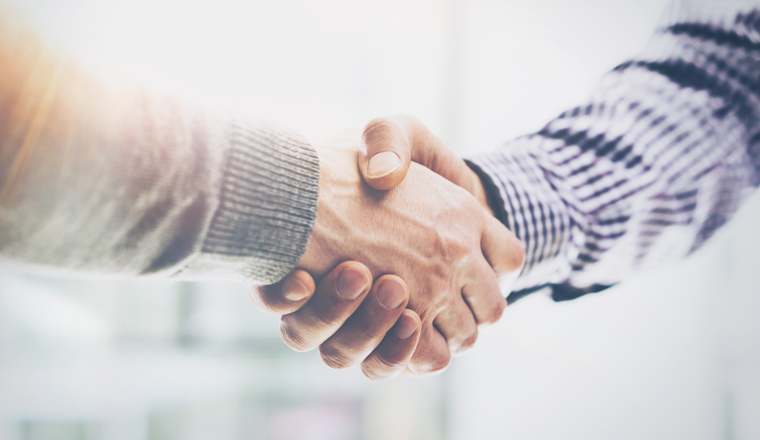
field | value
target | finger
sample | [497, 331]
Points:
[483, 296]
[364, 330]
[457, 324]
[432, 354]
[338, 295]
[503, 250]
[390, 144]
[391, 357]
[285, 296]
[385, 153]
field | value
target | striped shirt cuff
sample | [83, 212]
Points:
[531, 207]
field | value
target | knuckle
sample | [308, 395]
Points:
[378, 368]
[430, 363]
[368, 330]
[258, 296]
[335, 357]
[470, 203]
[519, 259]
[292, 337]
[346, 350]
[328, 317]
[447, 252]
[376, 129]
[497, 311]
[450, 244]
[440, 363]
[466, 343]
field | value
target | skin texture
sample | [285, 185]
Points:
[407, 140]
[426, 230]
[348, 332]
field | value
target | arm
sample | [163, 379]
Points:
[107, 176]
[660, 157]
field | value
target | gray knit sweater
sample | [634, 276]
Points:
[111, 177]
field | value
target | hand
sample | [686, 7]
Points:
[391, 144]
[428, 231]
[408, 137]
[347, 331]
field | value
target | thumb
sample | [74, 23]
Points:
[285, 296]
[390, 144]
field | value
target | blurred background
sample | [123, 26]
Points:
[673, 353]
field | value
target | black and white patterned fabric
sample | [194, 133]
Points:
[660, 157]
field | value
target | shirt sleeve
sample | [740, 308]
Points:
[660, 157]
[108, 176]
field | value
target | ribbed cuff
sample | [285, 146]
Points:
[267, 203]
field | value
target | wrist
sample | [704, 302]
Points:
[486, 192]
[340, 192]
[267, 204]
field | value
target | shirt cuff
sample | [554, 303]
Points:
[530, 205]
[267, 205]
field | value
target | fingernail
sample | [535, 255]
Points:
[351, 283]
[405, 327]
[391, 294]
[383, 163]
[294, 290]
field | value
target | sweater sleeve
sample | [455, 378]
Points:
[659, 158]
[108, 176]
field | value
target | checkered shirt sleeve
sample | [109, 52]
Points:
[661, 156]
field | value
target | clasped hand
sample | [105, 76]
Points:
[407, 252]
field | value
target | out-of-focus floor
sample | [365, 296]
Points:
[671, 354]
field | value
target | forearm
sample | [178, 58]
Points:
[660, 157]
[108, 176]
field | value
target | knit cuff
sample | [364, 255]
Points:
[267, 204]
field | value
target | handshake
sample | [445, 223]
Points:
[406, 251]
